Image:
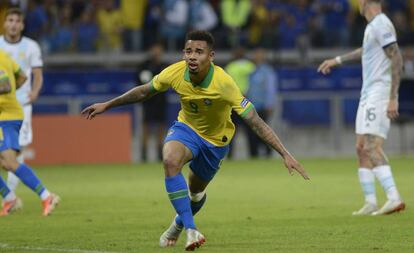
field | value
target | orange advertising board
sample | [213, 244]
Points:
[65, 139]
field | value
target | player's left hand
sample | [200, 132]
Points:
[392, 110]
[291, 164]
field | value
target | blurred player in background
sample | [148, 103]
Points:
[262, 92]
[203, 130]
[11, 117]
[26, 53]
[154, 109]
[382, 67]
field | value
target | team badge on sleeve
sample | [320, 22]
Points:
[244, 102]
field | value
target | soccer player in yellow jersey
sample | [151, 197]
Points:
[11, 117]
[202, 132]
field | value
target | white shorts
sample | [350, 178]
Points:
[372, 118]
[26, 133]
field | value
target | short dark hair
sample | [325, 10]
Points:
[201, 35]
[14, 11]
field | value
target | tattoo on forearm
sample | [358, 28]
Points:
[264, 131]
[5, 86]
[352, 56]
[393, 52]
[137, 94]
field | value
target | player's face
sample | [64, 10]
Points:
[362, 6]
[198, 56]
[13, 25]
[259, 55]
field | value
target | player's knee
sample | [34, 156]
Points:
[368, 150]
[171, 164]
[9, 164]
[196, 197]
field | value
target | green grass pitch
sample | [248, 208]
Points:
[252, 206]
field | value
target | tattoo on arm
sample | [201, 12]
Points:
[352, 56]
[264, 131]
[393, 52]
[5, 86]
[20, 78]
[135, 95]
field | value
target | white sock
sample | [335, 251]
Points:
[45, 194]
[12, 181]
[367, 180]
[384, 175]
[20, 158]
[196, 197]
[10, 196]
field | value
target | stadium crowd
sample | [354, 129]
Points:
[130, 25]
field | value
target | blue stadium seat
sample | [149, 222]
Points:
[291, 79]
[350, 107]
[349, 77]
[306, 112]
[318, 82]
[87, 82]
[50, 109]
[63, 83]
[406, 98]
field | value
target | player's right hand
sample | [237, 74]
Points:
[325, 67]
[91, 111]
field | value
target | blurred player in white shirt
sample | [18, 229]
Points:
[27, 54]
[382, 67]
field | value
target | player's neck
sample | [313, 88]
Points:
[12, 39]
[199, 77]
[372, 11]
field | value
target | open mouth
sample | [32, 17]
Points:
[192, 66]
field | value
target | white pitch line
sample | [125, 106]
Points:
[7, 246]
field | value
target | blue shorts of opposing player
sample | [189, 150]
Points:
[207, 157]
[9, 134]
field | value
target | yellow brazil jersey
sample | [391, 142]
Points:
[205, 107]
[10, 109]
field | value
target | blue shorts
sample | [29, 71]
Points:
[9, 134]
[207, 157]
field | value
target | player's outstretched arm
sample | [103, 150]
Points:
[327, 65]
[135, 95]
[266, 133]
[393, 52]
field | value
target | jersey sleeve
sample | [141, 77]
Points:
[36, 57]
[161, 82]
[385, 35]
[240, 104]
